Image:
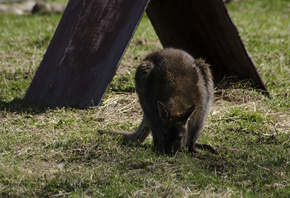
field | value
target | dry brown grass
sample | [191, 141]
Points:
[119, 108]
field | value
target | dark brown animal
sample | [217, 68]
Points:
[175, 92]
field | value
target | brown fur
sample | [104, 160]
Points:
[175, 92]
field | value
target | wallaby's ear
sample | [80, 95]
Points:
[188, 112]
[163, 111]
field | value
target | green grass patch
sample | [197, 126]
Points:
[56, 152]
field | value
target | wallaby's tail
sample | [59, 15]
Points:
[139, 135]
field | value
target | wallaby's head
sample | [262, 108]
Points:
[175, 131]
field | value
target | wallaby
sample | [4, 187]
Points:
[175, 92]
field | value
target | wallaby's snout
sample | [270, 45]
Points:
[174, 139]
[171, 148]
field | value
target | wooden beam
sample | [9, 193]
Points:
[204, 29]
[85, 52]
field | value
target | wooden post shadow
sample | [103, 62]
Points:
[93, 35]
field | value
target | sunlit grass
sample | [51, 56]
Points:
[46, 152]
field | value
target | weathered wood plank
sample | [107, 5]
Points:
[204, 29]
[85, 52]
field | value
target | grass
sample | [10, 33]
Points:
[56, 152]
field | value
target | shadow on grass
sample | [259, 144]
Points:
[18, 105]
